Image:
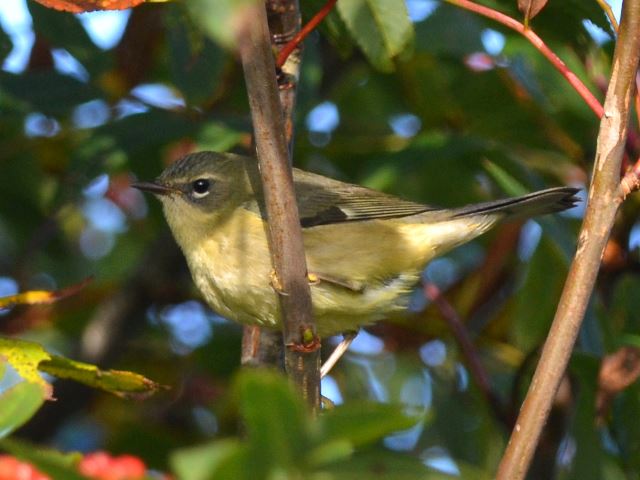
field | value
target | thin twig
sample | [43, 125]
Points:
[468, 350]
[604, 199]
[302, 355]
[537, 42]
[302, 34]
[609, 13]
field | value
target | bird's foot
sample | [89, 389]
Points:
[312, 278]
[276, 284]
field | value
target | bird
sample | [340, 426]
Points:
[365, 250]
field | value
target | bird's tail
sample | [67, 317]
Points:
[536, 203]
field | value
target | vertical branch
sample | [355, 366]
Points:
[604, 198]
[263, 346]
[284, 23]
[302, 355]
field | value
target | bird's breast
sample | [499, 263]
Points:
[231, 266]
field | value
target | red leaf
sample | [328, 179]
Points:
[80, 6]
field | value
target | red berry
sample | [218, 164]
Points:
[13, 469]
[102, 466]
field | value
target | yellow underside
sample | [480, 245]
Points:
[381, 260]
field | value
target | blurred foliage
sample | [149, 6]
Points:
[442, 107]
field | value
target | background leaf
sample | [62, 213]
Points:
[380, 27]
[18, 404]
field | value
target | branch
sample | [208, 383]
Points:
[609, 13]
[302, 355]
[604, 199]
[302, 34]
[468, 350]
[537, 42]
[263, 346]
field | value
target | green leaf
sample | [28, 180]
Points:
[29, 357]
[18, 404]
[382, 464]
[59, 466]
[200, 462]
[62, 30]
[332, 26]
[48, 92]
[363, 422]
[217, 18]
[196, 62]
[217, 137]
[122, 383]
[587, 462]
[5, 44]
[275, 418]
[381, 28]
[536, 301]
[450, 31]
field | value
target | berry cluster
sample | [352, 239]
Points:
[97, 465]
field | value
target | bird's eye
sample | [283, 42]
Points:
[200, 188]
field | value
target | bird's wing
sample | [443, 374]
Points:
[323, 201]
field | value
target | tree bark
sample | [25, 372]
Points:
[604, 199]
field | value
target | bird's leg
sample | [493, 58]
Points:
[347, 339]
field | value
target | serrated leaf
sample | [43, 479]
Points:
[121, 383]
[18, 404]
[381, 28]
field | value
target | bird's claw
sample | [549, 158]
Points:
[276, 284]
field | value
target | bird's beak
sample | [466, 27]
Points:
[155, 188]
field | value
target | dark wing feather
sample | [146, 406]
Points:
[323, 201]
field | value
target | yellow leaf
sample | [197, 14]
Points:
[25, 357]
[34, 297]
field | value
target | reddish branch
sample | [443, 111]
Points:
[537, 42]
[302, 34]
[468, 350]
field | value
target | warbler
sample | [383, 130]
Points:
[365, 250]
